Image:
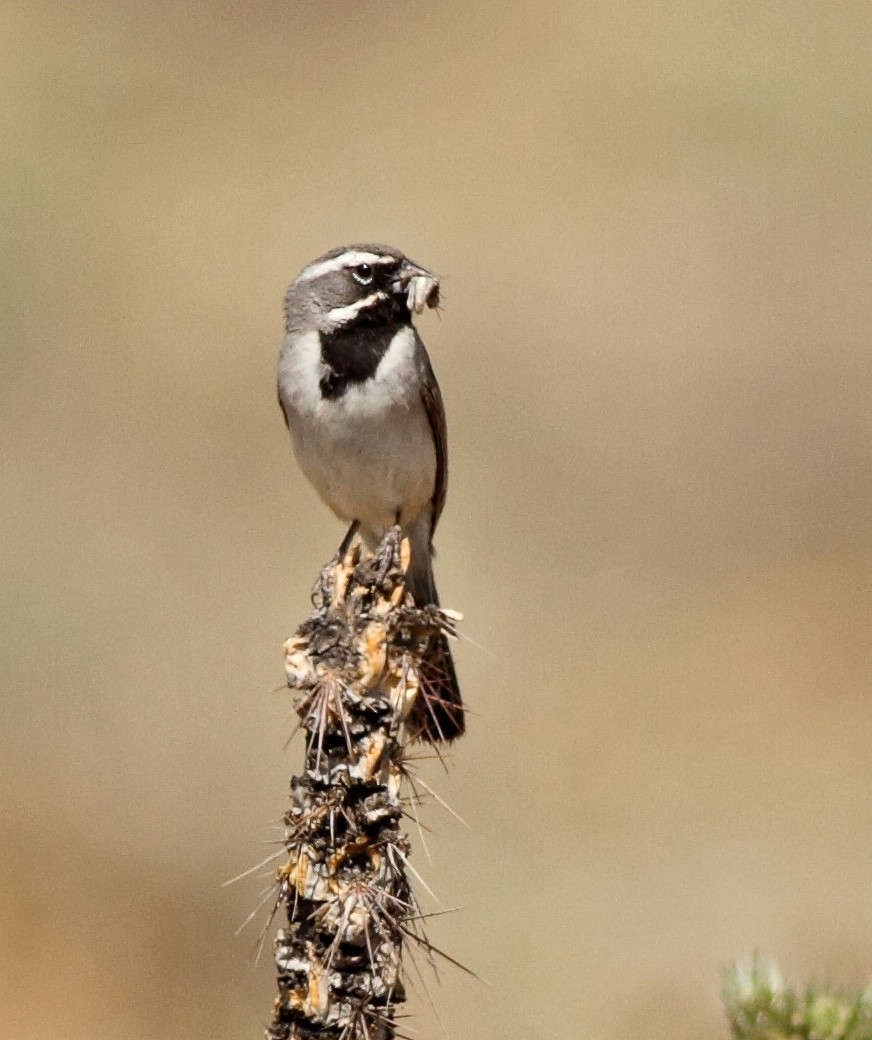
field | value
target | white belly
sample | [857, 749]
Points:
[369, 453]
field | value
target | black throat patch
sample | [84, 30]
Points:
[352, 355]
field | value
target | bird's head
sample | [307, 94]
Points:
[362, 285]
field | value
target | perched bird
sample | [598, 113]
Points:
[367, 421]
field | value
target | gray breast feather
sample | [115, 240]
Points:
[369, 453]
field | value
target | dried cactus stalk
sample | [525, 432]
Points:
[356, 664]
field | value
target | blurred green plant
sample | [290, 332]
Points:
[761, 1006]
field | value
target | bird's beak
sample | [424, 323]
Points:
[420, 287]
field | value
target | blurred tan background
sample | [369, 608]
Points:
[654, 224]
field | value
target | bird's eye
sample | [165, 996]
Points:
[363, 274]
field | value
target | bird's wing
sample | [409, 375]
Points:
[431, 397]
[282, 406]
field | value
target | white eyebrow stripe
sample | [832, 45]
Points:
[351, 258]
[339, 315]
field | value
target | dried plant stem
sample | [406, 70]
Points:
[357, 665]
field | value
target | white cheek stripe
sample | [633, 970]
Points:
[351, 258]
[339, 315]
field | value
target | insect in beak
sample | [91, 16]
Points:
[419, 286]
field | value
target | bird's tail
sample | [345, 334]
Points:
[438, 715]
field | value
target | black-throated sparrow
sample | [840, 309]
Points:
[367, 421]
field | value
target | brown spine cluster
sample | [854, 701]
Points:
[356, 665]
